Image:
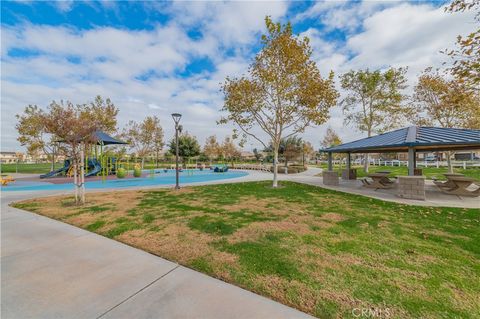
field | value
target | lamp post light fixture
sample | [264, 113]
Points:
[176, 118]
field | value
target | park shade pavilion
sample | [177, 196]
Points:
[410, 140]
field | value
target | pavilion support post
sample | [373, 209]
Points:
[330, 166]
[411, 161]
[348, 173]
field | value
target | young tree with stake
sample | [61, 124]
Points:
[283, 94]
[74, 127]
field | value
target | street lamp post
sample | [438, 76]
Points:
[176, 118]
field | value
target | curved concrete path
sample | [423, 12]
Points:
[53, 270]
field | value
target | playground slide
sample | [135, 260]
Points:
[58, 171]
[97, 168]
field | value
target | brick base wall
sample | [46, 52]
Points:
[411, 187]
[330, 178]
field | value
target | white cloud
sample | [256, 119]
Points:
[63, 5]
[343, 15]
[108, 61]
[405, 35]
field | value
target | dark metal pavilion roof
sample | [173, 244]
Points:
[421, 138]
[103, 138]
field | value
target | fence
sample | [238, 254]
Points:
[420, 163]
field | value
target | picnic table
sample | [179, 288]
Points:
[379, 180]
[459, 184]
[448, 183]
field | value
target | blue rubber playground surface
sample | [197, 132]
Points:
[157, 177]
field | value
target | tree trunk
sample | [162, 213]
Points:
[365, 165]
[82, 176]
[143, 161]
[52, 165]
[275, 168]
[75, 177]
[449, 161]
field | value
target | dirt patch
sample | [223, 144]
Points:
[174, 242]
[182, 191]
[260, 229]
[332, 217]
[292, 293]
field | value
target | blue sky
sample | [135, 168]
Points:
[155, 58]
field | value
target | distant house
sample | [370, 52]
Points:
[10, 157]
[246, 155]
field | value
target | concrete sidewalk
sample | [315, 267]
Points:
[54, 270]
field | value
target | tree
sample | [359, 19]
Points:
[466, 56]
[187, 146]
[228, 149]
[331, 138]
[211, 148]
[257, 154]
[158, 142]
[75, 127]
[33, 134]
[308, 151]
[291, 148]
[438, 101]
[144, 137]
[103, 112]
[374, 100]
[283, 94]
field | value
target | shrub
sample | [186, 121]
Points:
[121, 173]
[293, 169]
[137, 172]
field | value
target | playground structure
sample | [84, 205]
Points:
[96, 161]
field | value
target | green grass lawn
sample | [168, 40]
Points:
[321, 251]
[40, 168]
[429, 172]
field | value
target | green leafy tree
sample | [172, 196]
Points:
[187, 146]
[290, 148]
[283, 94]
[257, 154]
[374, 100]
